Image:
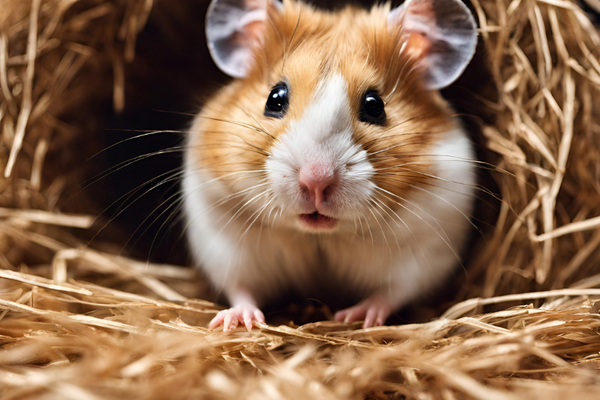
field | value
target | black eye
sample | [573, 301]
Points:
[372, 109]
[278, 101]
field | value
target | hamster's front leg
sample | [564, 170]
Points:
[374, 310]
[243, 310]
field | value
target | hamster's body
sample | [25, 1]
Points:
[322, 190]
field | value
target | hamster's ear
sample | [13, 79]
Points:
[442, 34]
[233, 29]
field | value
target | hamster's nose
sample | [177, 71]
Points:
[319, 181]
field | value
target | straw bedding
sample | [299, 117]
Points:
[79, 322]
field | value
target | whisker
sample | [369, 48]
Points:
[258, 214]
[445, 201]
[370, 231]
[389, 227]
[238, 212]
[219, 202]
[445, 239]
[175, 176]
[147, 133]
[126, 163]
[238, 123]
[401, 230]
[480, 188]
[242, 124]
[420, 183]
[125, 208]
[382, 231]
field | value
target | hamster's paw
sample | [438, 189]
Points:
[373, 310]
[242, 313]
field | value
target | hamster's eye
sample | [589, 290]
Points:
[372, 109]
[278, 101]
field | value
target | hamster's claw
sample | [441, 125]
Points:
[242, 313]
[373, 310]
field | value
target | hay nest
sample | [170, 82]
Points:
[136, 333]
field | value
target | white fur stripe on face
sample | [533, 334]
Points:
[324, 133]
[322, 139]
[329, 113]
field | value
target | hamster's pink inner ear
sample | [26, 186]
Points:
[233, 29]
[440, 34]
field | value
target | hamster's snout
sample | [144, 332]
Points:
[319, 181]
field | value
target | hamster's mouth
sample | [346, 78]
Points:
[318, 222]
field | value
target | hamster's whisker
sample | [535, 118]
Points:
[215, 168]
[269, 215]
[242, 124]
[232, 195]
[262, 222]
[477, 163]
[379, 201]
[180, 205]
[249, 115]
[480, 188]
[126, 163]
[258, 214]
[192, 218]
[244, 192]
[122, 208]
[413, 212]
[242, 150]
[145, 134]
[125, 197]
[242, 208]
[382, 230]
[370, 230]
[173, 176]
[228, 144]
[399, 124]
[466, 216]
[377, 171]
[405, 226]
[276, 216]
[233, 217]
[410, 244]
[378, 205]
[366, 145]
[391, 148]
[444, 238]
[422, 116]
[176, 205]
[174, 217]
[362, 230]
[406, 177]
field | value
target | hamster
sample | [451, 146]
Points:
[331, 154]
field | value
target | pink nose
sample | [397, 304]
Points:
[318, 181]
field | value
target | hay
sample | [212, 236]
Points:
[135, 332]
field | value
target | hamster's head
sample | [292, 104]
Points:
[331, 114]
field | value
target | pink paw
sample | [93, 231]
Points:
[373, 310]
[230, 318]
